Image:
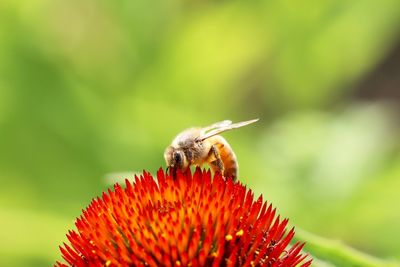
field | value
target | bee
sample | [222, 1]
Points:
[197, 146]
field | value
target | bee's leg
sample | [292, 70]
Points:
[217, 163]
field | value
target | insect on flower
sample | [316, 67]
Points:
[197, 146]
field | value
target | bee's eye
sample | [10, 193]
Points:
[177, 157]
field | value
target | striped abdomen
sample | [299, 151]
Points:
[227, 156]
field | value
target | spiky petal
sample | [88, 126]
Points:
[192, 220]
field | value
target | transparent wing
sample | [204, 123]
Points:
[223, 128]
[217, 125]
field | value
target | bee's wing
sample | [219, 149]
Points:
[224, 127]
[216, 125]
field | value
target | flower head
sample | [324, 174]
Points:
[192, 220]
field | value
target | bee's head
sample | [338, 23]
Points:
[176, 158]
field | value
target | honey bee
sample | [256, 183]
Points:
[197, 146]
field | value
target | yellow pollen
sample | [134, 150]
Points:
[214, 254]
[178, 263]
[240, 232]
[108, 263]
[94, 251]
[252, 263]
[228, 237]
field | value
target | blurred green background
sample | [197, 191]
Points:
[93, 87]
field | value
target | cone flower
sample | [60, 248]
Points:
[190, 220]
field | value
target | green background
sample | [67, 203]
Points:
[91, 87]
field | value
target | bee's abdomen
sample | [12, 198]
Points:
[228, 158]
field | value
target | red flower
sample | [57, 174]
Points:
[192, 220]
